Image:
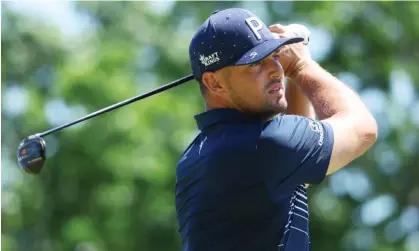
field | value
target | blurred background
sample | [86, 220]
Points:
[108, 183]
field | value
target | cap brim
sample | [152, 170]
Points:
[263, 50]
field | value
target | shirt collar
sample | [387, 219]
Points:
[220, 115]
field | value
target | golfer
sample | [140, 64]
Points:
[241, 183]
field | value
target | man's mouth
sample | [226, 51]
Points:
[276, 87]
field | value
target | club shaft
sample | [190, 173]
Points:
[120, 104]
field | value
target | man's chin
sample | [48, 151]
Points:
[275, 109]
[280, 105]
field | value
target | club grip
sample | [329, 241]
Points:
[301, 31]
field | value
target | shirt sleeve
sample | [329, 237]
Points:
[294, 150]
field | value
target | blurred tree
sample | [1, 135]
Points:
[108, 183]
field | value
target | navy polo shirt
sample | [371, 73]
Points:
[240, 183]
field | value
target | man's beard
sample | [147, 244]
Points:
[267, 111]
[270, 109]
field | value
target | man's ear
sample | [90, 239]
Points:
[212, 82]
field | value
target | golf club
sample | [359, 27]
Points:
[31, 151]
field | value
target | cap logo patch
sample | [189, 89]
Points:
[210, 59]
[255, 25]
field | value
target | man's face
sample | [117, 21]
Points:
[257, 88]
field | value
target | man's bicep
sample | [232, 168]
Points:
[347, 144]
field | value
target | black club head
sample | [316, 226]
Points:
[31, 154]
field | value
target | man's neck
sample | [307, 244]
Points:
[218, 104]
[263, 117]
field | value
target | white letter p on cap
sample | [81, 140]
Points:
[255, 25]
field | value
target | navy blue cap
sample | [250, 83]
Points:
[232, 37]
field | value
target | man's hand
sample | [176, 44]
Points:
[293, 57]
[298, 103]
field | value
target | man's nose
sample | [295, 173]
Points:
[275, 66]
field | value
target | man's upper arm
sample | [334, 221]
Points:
[295, 150]
[348, 143]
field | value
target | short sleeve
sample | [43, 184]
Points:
[294, 150]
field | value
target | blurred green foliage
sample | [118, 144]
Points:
[108, 183]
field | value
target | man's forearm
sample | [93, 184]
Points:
[298, 103]
[328, 95]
